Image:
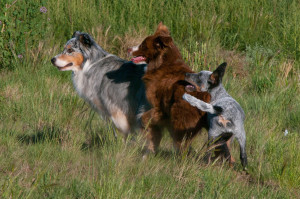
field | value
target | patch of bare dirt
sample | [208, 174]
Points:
[236, 61]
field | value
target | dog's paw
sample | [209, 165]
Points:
[144, 157]
[187, 97]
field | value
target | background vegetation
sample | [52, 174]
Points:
[52, 144]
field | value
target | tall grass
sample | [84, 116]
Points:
[233, 24]
[53, 146]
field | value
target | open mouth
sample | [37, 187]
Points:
[62, 68]
[190, 88]
[138, 59]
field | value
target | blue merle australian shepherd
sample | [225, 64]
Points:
[111, 85]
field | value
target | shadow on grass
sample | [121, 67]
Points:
[46, 133]
[97, 140]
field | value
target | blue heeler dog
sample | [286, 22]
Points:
[111, 85]
[225, 115]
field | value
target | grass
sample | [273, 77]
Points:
[53, 146]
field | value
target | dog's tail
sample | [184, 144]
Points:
[203, 106]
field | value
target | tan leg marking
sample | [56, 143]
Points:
[120, 120]
[231, 160]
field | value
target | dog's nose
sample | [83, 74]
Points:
[53, 60]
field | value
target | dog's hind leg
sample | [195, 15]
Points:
[220, 144]
[241, 137]
[224, 151]
[210, 148]
[121, 123]
[228, 155]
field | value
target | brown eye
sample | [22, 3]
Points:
[70, 50]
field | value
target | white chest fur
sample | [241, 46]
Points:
[81, 82]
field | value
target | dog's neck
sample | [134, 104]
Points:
[87, 64]
[218, 92]
[97, 52]
[170, 56]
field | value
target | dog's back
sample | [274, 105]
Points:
[231, 109]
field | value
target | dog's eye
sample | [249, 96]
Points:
[143, 46]
[70, 50]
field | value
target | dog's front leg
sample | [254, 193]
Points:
[153, 133]
[152, 117]
[153, 136]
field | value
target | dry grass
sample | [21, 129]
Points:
[12, 93]
[236, 61]
[117, 44]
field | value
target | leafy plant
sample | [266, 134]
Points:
[23, 24]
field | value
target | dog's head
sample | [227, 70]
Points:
[154, 47]
[75, 52]
[205, 80]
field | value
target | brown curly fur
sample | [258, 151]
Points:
[165, 86]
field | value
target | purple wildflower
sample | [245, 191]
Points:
[20, 56]
[43, 9]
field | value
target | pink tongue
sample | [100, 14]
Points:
[138, 59]
[190, 88]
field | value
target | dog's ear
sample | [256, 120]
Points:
[162, 29]
[162, 41]
[85, 39]
[76, 34]
[216, 77]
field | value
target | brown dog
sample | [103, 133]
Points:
[165, 86]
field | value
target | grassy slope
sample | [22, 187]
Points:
[52, 145]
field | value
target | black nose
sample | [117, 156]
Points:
[53, 60]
